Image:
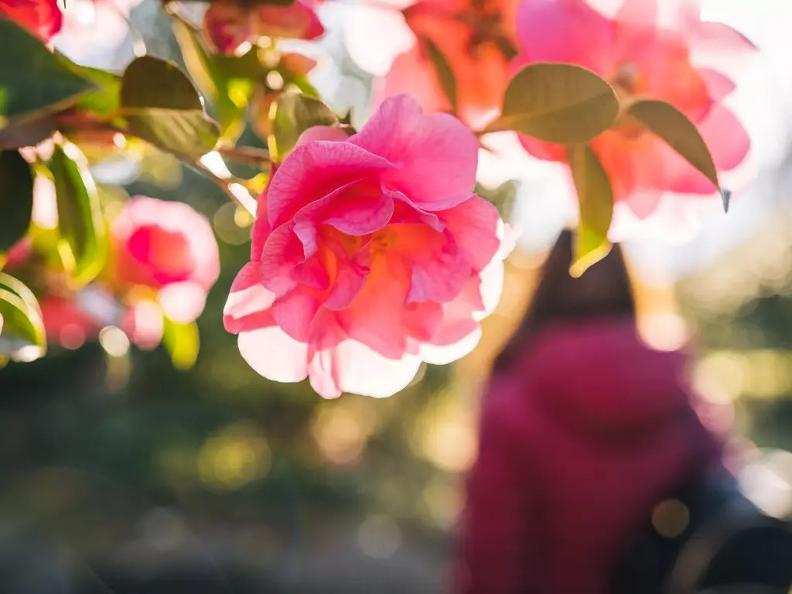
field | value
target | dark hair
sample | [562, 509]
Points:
[602, 291]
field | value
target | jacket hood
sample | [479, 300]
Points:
[600, 376]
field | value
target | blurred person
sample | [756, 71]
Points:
[594, 473]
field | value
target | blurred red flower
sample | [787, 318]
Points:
[477, 40]
[43, 18]
[451, 55]
[230, 24]
[641, 57]
[168, 247]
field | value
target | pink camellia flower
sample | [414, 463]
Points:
[230, 24]
[169, 248]
[643, 55]
[370, 254]
[43, 18]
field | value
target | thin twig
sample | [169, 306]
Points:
[249, 155]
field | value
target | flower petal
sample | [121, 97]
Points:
[567, 31]
[356, 368]
[248, 302]
[308, 173]
[182, 302]
[436, 154]
[274, 354]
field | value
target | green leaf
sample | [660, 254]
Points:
[502, 197]
[560, 103]
[104, 99]
[670, 124]
[595, 197]
[217, 80]
[161, 106]
[16, 198]
[182, 343]
[22, 335]
[292, 115]
[443, 70]
[33, 79]
[82, 239]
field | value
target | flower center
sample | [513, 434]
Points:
[628, 79]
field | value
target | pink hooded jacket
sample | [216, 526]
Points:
[580, 437]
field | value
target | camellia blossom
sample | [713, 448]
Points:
[370, 254]
[43, 18]
[230, 24]
[642, 59]
[169, 248]
[411, 42]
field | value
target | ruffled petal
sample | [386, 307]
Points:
[474, 226]
[308, 172]
[356, 368]
[249, 302]
[436, 154]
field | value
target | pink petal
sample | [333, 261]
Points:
[295, 311]
[248, 302]
[354, 367]
[144, 324]
[445, 354]
[564, 31]
[282, 253]
[296, 20]
[436, 154]
[474, 226]
[407, 212]
[375, 316]
[274, 354]
[313, 170]
[182, 302]
[719, 85]
[357, 208]
[350, 278]
[439, 268]
[329, 133]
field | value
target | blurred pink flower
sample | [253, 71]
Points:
[401, 40]
[370, 254]
[66, 322]
[642, 59]
[229, 24]
[168, 247]
[43, 18]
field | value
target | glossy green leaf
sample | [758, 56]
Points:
[670, 124]
[182, 343]
[16, 198]
[595, 197]
[443, 70]
[81, 228]
[292, 115]
[22, 335]
[160, 105]
[559, 103]
[218, 81]
[104, 99]
[32, 79]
